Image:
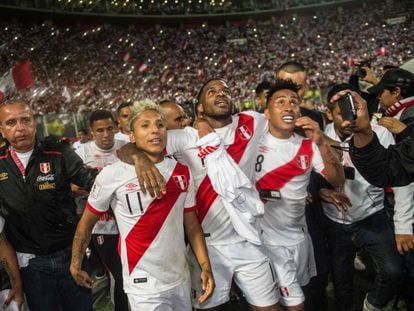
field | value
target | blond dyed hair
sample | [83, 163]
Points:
[141, 106]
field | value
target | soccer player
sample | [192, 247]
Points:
[152, 247]
[98, 153]
[282, 171]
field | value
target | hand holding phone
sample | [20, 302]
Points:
[347, 107]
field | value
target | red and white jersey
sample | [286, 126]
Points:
[240, 140]
[152, 248]
[283, 168]
[96, 157]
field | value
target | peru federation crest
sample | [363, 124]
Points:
[303, 161]
[244, 132]
[181, 182]
[45, 167]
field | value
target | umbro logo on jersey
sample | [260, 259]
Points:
[131, 186]
[244, 132]
[303, 161]
[181, 182]
[44, 167]
[263, 149]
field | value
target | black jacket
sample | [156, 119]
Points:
[385, 167]
[39, 211]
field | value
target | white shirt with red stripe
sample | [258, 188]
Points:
[152, 248]
[96, 157]
[283, 168]
[240, 140]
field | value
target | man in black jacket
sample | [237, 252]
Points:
[36, 202]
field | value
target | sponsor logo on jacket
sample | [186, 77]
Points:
[47, 186]
[4, 176]
[42, 178]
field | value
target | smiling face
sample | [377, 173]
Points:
[18, 126]
[282, 111]
[149, 134]
[215, 100]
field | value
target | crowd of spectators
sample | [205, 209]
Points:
[79, 66]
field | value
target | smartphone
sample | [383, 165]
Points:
[347, 107]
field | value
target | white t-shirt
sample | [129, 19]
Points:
[96, 157]
[283, 168]
[152, 248]
[240, 140]
[365, 198]
[123, 137]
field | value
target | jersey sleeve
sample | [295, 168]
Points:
[179, 140]
[189, 204]
[80, 151]
[317, 161]
[102, 192]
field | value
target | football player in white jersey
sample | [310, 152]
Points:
[282, 171]
[98, 153]
[152, 248]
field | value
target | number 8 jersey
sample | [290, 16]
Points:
[151, 247]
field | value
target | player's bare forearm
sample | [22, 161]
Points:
[198, 245]
[81, 239]
[9, 261]
[334, 171]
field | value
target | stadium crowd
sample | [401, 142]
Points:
[82, 66]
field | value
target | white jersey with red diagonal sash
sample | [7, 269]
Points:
[96, 157]
[283, 168]
[240, 140]
[152, 248]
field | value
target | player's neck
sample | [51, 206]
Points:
[280, 133]
[218, 123]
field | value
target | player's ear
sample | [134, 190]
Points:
[132, 137]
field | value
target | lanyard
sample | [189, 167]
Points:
[19, 163]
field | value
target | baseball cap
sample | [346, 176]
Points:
[392, 78]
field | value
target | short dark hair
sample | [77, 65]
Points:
[204, 85]
[83, 131]
[282, 84]
[292, 67]
[263, 86]
[100, 114]
[124, 104]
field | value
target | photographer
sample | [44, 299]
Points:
[382, 167]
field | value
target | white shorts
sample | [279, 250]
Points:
[294, 266]
[177, 298]
[244, 262]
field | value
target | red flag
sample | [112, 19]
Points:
[127, 57]
[200, 73]
[17, 78]
[382, 51]
[142, 67]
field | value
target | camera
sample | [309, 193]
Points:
[347, 107]
[361, 72]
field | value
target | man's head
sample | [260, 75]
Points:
[335, 111]
[297, 73]
[17, 125]
[103, 128]
[214, 100]
[123, 112]
[395, 85]
[262, 89]
[283, 108]
[148, 129]
[83, 136]
[175, 116]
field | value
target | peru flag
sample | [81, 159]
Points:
[17, 78]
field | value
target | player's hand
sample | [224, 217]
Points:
[203, 126]
[311, 128]
[126, 152]
[149, 177]
[338, 199]
[16, 294]
[370, 76]
[395, 126]
[208, 285]
[81, 278]
[405, 242]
